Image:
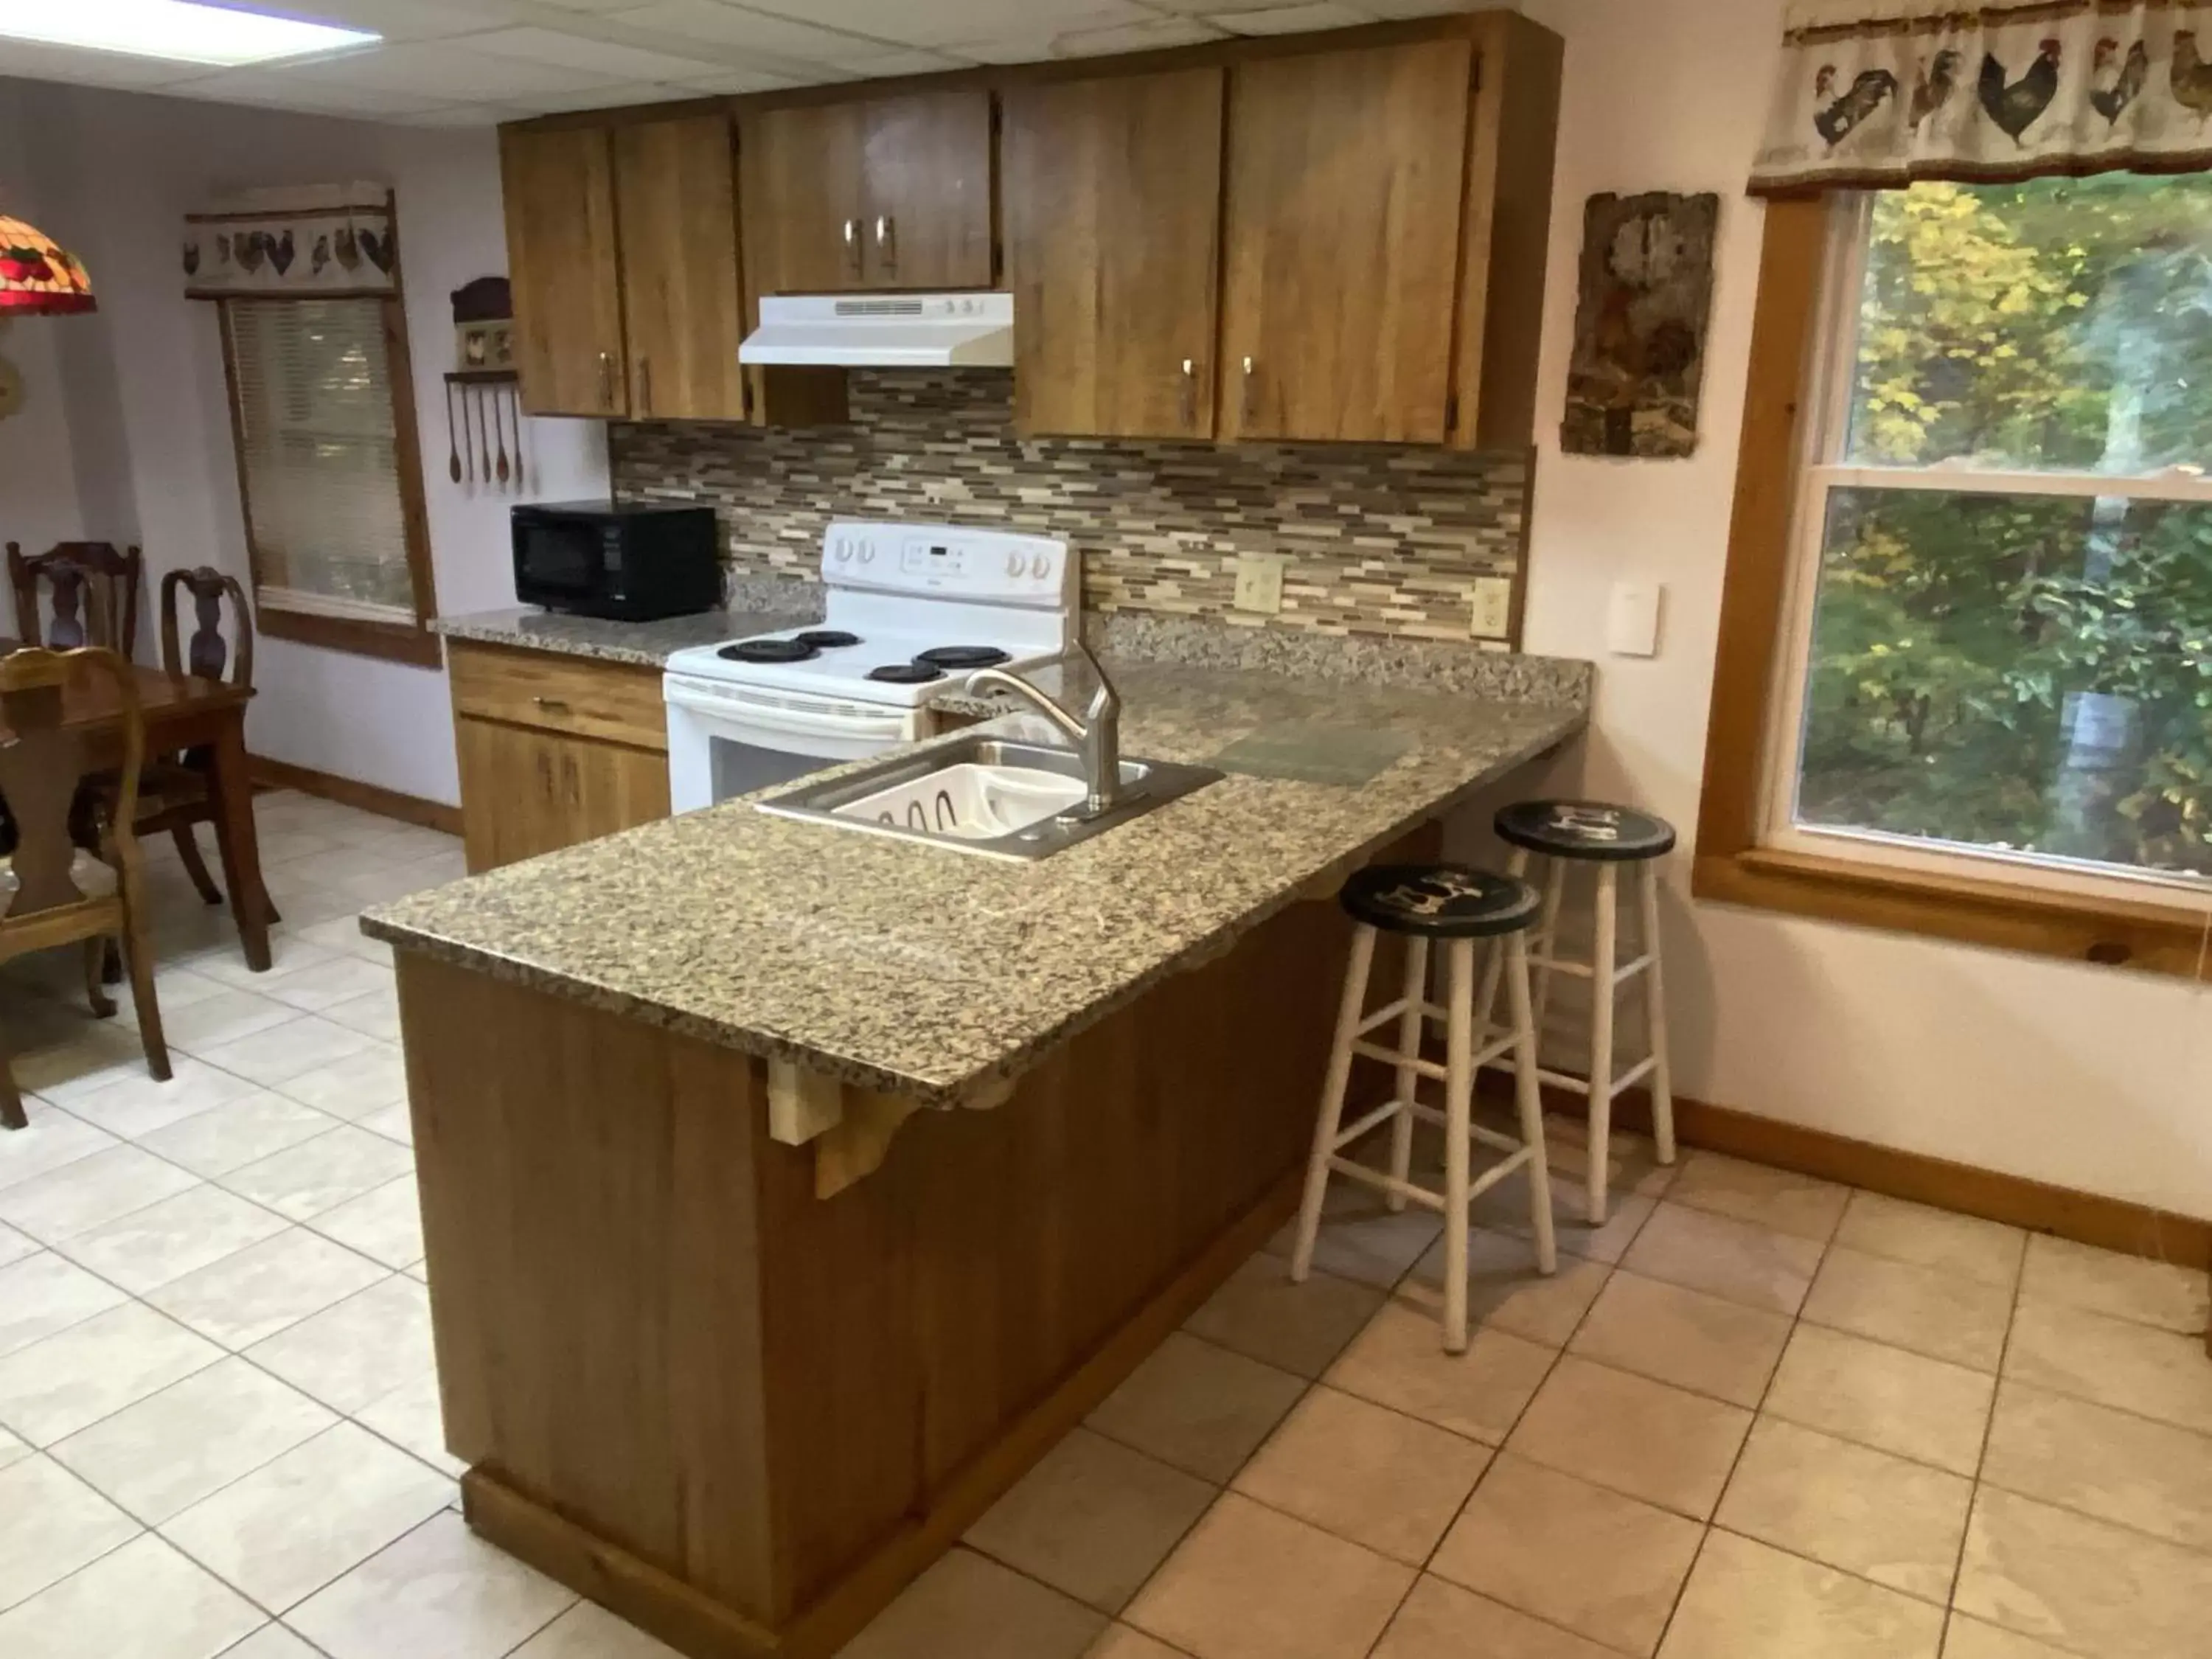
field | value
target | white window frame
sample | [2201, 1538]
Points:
[1822, 470]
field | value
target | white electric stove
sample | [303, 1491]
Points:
[911, 609]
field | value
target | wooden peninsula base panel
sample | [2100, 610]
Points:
[743, 1416]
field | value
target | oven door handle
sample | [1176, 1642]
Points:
[770, 720]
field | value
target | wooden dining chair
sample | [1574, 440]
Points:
[53, 892]
[177, 790]
[95, 595]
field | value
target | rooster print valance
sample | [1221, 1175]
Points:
[313, 242]
[1874, 94]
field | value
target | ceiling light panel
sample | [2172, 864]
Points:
[176, 31]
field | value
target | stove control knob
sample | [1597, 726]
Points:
[1016, 564]
[867, 552]
[844, 552]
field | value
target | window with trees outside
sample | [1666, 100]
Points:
[1996, 657]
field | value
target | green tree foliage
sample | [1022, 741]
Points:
[2025, 671]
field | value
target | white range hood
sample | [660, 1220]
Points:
[889, 331]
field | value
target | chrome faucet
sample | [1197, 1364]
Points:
[1097, 737]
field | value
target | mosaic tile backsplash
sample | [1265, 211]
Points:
[1379, 540]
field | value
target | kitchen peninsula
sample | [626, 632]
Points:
[788, 1190]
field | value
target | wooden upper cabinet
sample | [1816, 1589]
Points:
[804, 214]
[1347, 181]
[566, 274]
[676, 205]
[890, 193]
[1111, 196]
[927, 181]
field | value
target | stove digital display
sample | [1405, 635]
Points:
[934, 559]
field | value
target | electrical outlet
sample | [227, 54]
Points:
[1260, 582]
[1492, 617]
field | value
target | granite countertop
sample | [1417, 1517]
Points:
[936, 974]
[756, 607]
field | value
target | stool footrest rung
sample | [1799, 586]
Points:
[1427, 1068]
[1621, 975]
[1580, 1086]
[1382, 1180]
[1366, 1120]
[1390, 1011]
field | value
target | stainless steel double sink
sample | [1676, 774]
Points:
[986, 796]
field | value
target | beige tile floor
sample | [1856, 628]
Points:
[1756, 1417]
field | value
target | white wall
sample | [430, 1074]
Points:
[2096, 1079]
[116, 172]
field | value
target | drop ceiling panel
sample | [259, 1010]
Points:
[458, 63]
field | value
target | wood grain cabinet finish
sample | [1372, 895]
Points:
[886, 193]
[1346, 178]
[676, 201]
[1111, 201]
[553, 751]
[561, 249]
[804, 209]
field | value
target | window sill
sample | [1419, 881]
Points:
[2151, 937]
[393, 641]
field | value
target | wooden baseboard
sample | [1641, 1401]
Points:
[351, 791]
[2040, 1207]
[697, 1625]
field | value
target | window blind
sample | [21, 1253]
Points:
[321, 458]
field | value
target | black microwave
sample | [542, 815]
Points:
[628, 561]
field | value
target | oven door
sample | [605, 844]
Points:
[726, 741]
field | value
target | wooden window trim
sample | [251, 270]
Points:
[1731, 867]
[412, 644]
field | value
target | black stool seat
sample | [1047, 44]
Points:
[1440, 901]
[1585, 829]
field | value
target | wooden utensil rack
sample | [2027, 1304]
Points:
[485, 439]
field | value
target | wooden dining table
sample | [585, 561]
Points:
[183, 712]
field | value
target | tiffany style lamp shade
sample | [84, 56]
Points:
[37, 278]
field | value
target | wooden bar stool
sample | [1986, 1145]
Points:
[1604, 837]
[1458, 904]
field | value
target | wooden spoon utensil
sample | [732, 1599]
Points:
[499, 425]
[453, 444]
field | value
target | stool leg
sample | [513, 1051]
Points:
[1326, 1119]
[1486, 1000]
[1528, 1094]
[1547, 939]
[1602, 993]
[1410, 1026]
[1663, 1088]
[1459, 1091]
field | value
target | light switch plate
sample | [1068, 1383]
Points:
[1260, 582]
[1632, 619]
[1492, 609]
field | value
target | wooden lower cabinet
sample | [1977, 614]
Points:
[524, 793]
[553, 749]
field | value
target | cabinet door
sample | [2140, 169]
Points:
[1346, 176]
[567, 277]
[804, 214]
[676, 202]
[525, 793]
[926, 185]
[1111, 196]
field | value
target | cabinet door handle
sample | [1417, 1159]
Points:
[887, 242]
[852, 245]
[645, 385]
[1244, 403]
[1189, 393]
[551, 705]
[606, 379]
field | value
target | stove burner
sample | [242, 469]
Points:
[906, 673]
[767, 650]
[963, 656]
[828, 639]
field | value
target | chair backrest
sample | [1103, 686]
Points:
[43, 761]
[204, 657]
[95, 595]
